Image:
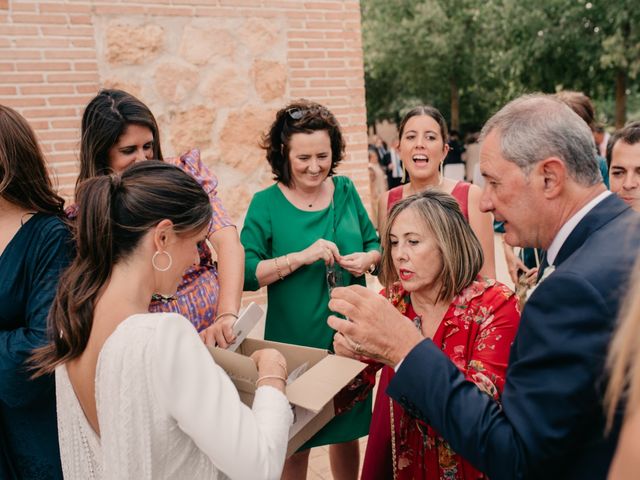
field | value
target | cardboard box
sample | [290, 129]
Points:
[310, 394]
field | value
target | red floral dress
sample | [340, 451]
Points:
[476, 333]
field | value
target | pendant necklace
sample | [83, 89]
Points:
[315, 199]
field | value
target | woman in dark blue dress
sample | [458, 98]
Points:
[34, 248]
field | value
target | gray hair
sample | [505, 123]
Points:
[535, 127]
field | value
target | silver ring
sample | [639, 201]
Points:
[357, 348]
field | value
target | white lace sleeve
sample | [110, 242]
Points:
[197, 393]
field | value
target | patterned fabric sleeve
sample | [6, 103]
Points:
[191, 163]
[496, 317]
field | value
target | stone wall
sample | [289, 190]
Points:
[213, 72]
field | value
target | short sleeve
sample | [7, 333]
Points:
[498, 318]
[192, 164]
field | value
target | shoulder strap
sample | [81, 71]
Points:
[393, 196]
[461, 193]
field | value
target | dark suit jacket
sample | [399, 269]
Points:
[550, 424]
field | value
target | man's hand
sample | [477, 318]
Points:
[375, 328]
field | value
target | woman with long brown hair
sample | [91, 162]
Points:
[34, 248]
[139, 395]
[119, 130]
[423, 146]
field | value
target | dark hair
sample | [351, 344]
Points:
[581, 104]
[24, 180]
[115, 212]
[630, 134]
[460, 249]
[429, 111]
[302, 116]
[104, 120]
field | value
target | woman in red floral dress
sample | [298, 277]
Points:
[430, 266]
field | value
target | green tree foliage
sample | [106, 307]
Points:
[468, 57]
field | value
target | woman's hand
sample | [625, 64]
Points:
[272, 368]
[321, 249]
[513, 262]
[358, 263]
[220, 333]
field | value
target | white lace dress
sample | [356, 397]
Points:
[167, 411]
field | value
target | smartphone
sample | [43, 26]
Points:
[246, 321]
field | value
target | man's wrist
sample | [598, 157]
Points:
[404, 350]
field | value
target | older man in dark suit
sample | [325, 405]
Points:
[542, 180]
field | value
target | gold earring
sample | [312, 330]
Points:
[155, 256]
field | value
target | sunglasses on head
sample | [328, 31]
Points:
[296, 113]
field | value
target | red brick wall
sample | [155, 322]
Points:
[51, 66]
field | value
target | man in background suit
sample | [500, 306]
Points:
[542, 180]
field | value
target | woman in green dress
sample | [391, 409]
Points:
[304, 234]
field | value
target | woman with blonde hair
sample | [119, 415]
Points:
[624, 384]
[430, 265]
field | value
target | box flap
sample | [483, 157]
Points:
[295, 355]
[242, 370]
[319, 385]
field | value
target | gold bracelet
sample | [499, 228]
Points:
[267, 377]
[225, 314]
[275, 259]
[286, 257]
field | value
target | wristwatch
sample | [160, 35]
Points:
[373, 269]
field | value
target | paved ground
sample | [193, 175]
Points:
[319, 468]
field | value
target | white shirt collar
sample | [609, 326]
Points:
[567, 228]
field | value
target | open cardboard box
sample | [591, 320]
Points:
[311, 394]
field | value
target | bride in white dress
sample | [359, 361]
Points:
[138, 395]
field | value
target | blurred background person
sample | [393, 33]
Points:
[423, 147]
[456, 149]
[430, 265]
[119, 130]
[471, 157]
[393, 165]
[35, 245]
[377, 182]
[304, 235]
[138, 394]
[601, 136]
[623, 158]
[583, 106]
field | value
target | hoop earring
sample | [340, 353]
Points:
[153, 261]
[440, 174]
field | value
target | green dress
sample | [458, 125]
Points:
[298, 305]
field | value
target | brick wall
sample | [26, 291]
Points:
[212, 71]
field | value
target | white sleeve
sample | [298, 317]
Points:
[198, 394]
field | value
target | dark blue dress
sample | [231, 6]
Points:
[30, 267]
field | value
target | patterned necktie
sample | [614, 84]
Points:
[544, 264]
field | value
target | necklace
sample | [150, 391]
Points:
[315, 199]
